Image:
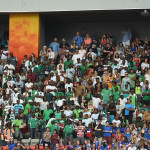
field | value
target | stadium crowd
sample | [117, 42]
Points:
[88, 95]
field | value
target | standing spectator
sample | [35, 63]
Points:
[99, 132]
[8, 133]
[13, 60]
[126, 36]
[87, 40]
[55, 47]
[54, 139]
[1, 68]
[17, 107]
[107, 132]
[46, 138]
[4, 55]
[106, 93]
[129, 108]
[65, 43]
[80, 129]
[68, 132]
[146, 96]
[47, 112]
[16, 124]
[78, 39]
[33, 124]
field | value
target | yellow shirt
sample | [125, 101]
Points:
[138, 90]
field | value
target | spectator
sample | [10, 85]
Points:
[55, 46]
[54, 139]
[126, 36]
[46, 138]
[78, 39]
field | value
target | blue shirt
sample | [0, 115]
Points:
[104, 148]
[126, 35]
[147, 136]
[123, 143]
[128, 136]
[17, 107]
[114, 130]
[122, 130]
[128, 106]
[126, 94]
[11, 146]
[107, 128]
[55, 47]
[79, 40]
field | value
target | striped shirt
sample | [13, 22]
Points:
[80, 132]
[17, 107]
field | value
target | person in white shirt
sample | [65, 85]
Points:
[10, 82]
[76, 56]
[68, 84]
[123, 66]
[96, 101]
[28, 63]
[95, 115]
[9, 65]
[123, 100]
[70, 71]
[51, 87]
[145, 64]
[92, 54]
[29, 85]
[50, 54]
[87, 120]
[4, 55]
[117, 121]
[43, 104]
[82, 52]
[132, 146]
[39, 95]
[68, 113]
[86, 112]
[9, 106]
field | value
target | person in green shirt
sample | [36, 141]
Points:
[68, 132]
[116, 94]
[47, 112]
[131, 62]
[34, 68]
[106, 93]
[114, 83]
[83, 66]
[69, 61]
[48, 96]
[42, 124]
[54, 126]
[58, 114]
[132, 76]
[133, 98]
[32, 125]
[146, 96]
[77, 110]
[132, 66]
[28, 106]
[59, 93]
[30, 97]
[16, 124]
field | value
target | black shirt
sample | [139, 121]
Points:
[94, 47]
[99, 68]
[99, 134]
[66, 44]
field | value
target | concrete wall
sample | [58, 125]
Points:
[70, 5]
[68, 30]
